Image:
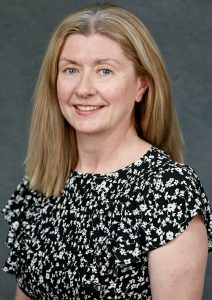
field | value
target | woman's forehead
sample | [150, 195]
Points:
[95, 45]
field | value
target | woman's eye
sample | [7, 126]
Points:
[105, 72]
[71, 71]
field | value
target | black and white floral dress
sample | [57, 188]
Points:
[92, 241]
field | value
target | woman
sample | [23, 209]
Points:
[107, 210]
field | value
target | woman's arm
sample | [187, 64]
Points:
[177, 269]
[20, 295]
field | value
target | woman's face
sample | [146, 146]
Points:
[97, 85]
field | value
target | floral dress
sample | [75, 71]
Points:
[92, 241]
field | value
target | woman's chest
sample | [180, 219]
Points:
[82, 245]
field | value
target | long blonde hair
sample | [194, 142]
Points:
[52, 149]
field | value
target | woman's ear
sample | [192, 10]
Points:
[142, 86]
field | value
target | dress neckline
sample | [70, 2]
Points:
[115, 173]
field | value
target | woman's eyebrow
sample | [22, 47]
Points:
[70, 61]
[106, 60]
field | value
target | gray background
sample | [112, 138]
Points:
[183, 31]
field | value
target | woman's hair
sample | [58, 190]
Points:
[52, 149]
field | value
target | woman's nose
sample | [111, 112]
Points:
[85, 86]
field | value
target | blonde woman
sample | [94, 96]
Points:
[107, 209]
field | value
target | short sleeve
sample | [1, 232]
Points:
[14, 213]
[175, 197]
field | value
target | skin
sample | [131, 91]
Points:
[20, 295]
[100, 77]
[97, 75]
[97, 88]
[177, 269]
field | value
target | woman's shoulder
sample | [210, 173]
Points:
[22, 198]
[162, 166]
[174, 195]
[171, 183]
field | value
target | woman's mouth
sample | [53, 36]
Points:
[87, 109]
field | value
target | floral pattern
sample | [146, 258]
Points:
[92, 241]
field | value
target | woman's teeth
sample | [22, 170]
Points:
[88, 108]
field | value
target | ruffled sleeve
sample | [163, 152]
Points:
[163, 209]
[176, 196]
[14, 213]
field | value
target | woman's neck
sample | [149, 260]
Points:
[109, 152]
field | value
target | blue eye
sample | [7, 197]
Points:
[71, 71]
[105, 72]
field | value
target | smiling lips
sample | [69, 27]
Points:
[85, 109]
